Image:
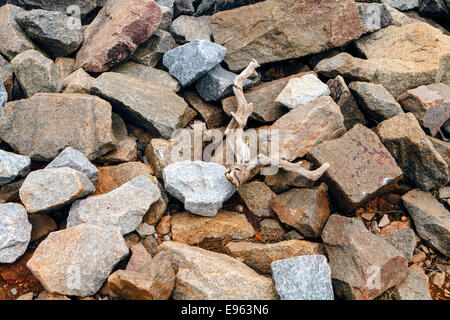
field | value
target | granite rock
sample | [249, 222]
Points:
[13, 166]
[76, 160]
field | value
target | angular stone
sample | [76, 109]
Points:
[217, 84]
[3, 97]
[429, 104]
[302, 128]
[84, 6]
[192, 229]
[349, 107]
[375, 101]
[164, 225]
[167, 3]
[80, 121]
[257, 196]
[259, 256]
[363, 265]
[415, 286]
[442, 147]
[271, 230]
[15, 232]
[202, 274]
[65, 66]
[302, 91]
[12, 38]
[434, 9]
[167, 17]
[306, 210]
[6, 77]
[275, 26]
[52, 30]
[402, 5]
[76, 160]
[213, 115]
[76, 261]
[13, 166]
[149, 74]
[431, 219]
[303, 278]
[154, 107]
[116, 32]
[374, 16]
[361, 168]
[47, 296]
[78, 82]
[36, 73]
[183, 7]
[414, 153]
[404, 240]
[285, 180]
[42, 224]
[139, 258]
[186, 29]
[144, 230]
[201, 186]
[191, 61]
[151, 51]
[214, 6]
[50, 189]
[123, 207]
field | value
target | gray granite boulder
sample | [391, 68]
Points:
[50, 189]
[303, 278]
[374, 16]
[123, 207]
[77, 261]
[191, 61]
[15, 232]
[202, 186]
[76, 160]
[13, 166]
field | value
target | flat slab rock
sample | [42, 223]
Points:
[116, 32]
[13, 166]
[206, 275]
[80, 121]
[123, 207]
[76, 160]
[15, 232]
[192, 229]
[50, 189]
[76, 261]
[303, 278]
[201, 186]
[361, 167]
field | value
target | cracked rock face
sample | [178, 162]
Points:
[15, 232]
[76, 261]
[201, 186]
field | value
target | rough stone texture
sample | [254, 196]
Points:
[255, 30]
[191, 61]
[42, 224]
[217, 84]
[212, 115]
[404, 240]
[3, 97]
[414, 153]
[153, 282]
[10, 192]
[257, 196]
[76, 160]
[303, 278]
[402, 5]
[76, 261]
[375, 101]
[139, 258]
[152, 50]
[349, 107]
[442, 147]
[167, 17]
[363, 265]
[65, 66]
[52, 30]
[78, 82]
[271, 230]
[302, 128]
[213, 6]
[361, 167]
[6, 77]
[183, 7]
[306, 210]
[431, 219]
[201, 186]
[284, 180]
[302, 91]
[36, 73]
[12, 38]
[206, 275]
[85, 6]
[80, 121]
[15, 232]
[123, 207]
[154, 107]
[259, 256]
[13, 166]
[116, 32]
[186, 29]
[374, 16]
[415, 286]
[429, 104]
[145, 73]
[434, 9]
[50, 189]
[192, 229]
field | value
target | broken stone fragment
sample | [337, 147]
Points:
[257, 196]
[13, 166]
[151, 51]
[415, 286]
[78, 82]
[186, 28]
[374, 16]
[285, 180]
[404, 240]
[212, 114]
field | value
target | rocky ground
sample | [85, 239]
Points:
[107, 107]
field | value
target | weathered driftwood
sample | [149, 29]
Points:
[245, 167]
